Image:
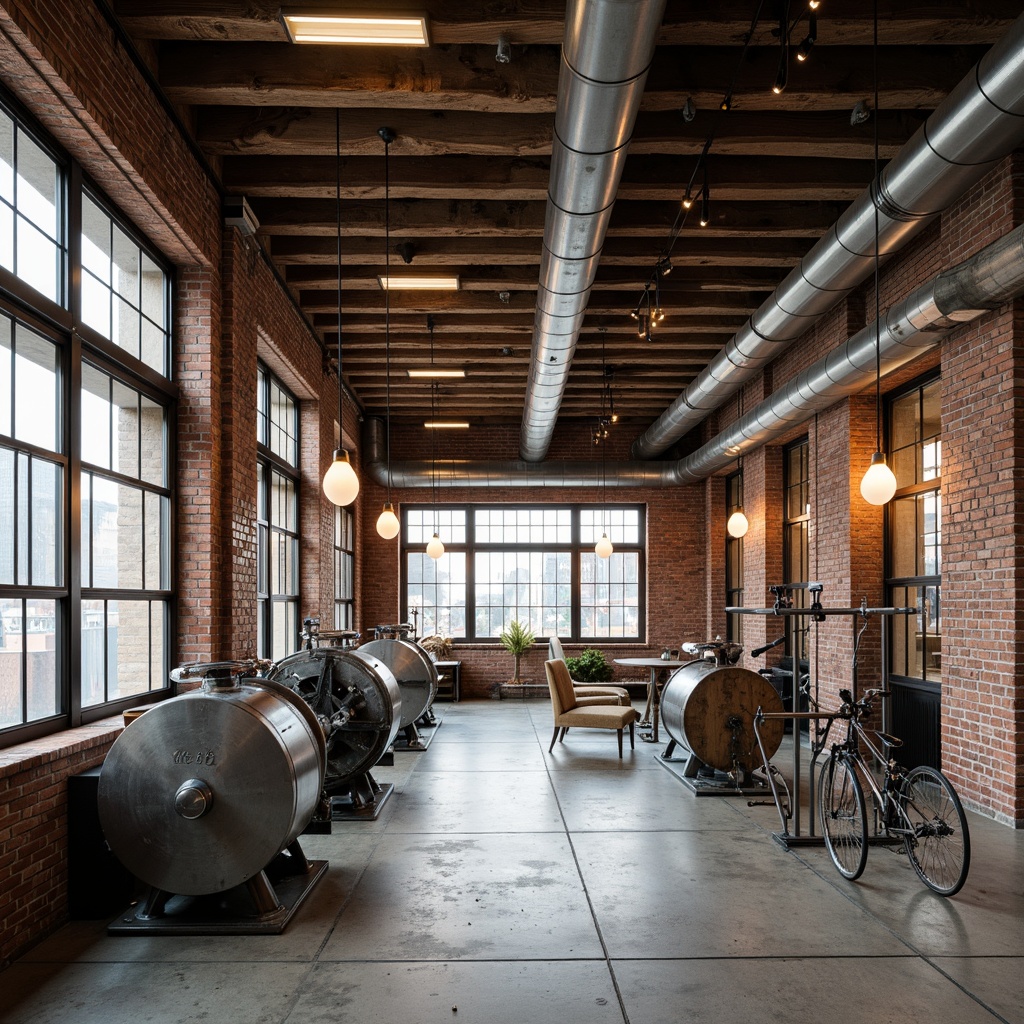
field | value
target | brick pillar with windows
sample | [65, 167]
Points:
[762, 546]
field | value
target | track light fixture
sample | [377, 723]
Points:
[804, 49]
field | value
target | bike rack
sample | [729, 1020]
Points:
[789, 805]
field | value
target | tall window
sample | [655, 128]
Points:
[915, 532]
[733, 559]
[796, 515]
[534, 564]
[85, 602]
[344, 568]
[277, 527]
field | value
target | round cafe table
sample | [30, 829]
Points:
[653, 695]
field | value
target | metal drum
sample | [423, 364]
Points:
[357, 700]
[415, 672]
[709, 708]
[201, 792]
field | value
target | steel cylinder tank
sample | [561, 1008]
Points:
[709, 708]
[415, 672]
[202, 791]
[357, 700]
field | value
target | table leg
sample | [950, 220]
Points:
[656, 701]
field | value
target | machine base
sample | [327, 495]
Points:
[225, 913]
[721, 784]
[345, 808]
[412, 740]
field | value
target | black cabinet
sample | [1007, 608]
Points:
[449, 679]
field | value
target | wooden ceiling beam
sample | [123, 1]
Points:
[496, 218]
[693, 22]
[455, 252]
[468, 79]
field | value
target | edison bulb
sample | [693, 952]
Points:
[879, 482]
[341, 485]
[737, 525]
[388, 525]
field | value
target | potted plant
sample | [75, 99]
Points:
[516, 639]
[590, 667]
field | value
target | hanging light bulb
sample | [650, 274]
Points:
[603, 548]
[388, 525]
[341, 485]
[737, 525]
[435, 548]
[879, 483]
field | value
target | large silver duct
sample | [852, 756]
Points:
[605, 56]
[980, 122]
[918, 323]
[446, 473]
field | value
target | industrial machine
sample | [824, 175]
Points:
[708, 707]
[356, 698]
[417, 681]
[206, 794]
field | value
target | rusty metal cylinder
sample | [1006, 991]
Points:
[201, 792]
[709, 709]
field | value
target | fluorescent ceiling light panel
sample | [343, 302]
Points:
[446, 425]
[438, 371]
[435, 283]
[398, 30]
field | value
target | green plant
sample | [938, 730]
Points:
[517, 640]
[590, 667]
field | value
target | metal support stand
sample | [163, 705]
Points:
[787, 803]
[361, 799]
[261, 906]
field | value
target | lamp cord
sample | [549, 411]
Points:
[387, 298]
[877, 196]
[337, 211]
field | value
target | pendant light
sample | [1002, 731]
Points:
[341, 485]
[388, 525]
[435, 547]
[603, 548]
[879, 482]
[737, 524]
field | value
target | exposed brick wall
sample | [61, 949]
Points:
[34, 827]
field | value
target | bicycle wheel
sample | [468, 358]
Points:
[843, 820]
[940, 846]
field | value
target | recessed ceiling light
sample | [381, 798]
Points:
[403, 30]
[446, 425]
[436, 282]
[436, 371]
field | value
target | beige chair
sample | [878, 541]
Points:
[588, 694]
[571, 715]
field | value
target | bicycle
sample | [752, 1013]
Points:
[918, 808]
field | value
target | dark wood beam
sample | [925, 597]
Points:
[467, 78]
[691, 22]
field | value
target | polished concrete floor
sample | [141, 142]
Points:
[504, 885]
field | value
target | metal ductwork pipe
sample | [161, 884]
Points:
[979, 123]
[988, 279]
[448, 473]
[605, 57]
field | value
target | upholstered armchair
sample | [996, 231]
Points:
[571, 715]
[587, 693]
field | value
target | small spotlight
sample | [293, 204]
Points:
[687, 199]
[860, 114]
[814, 4]
[705, 210]
[689, 110]
[726, 103]
[664, 266]
[504, 54]
[804, 50]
